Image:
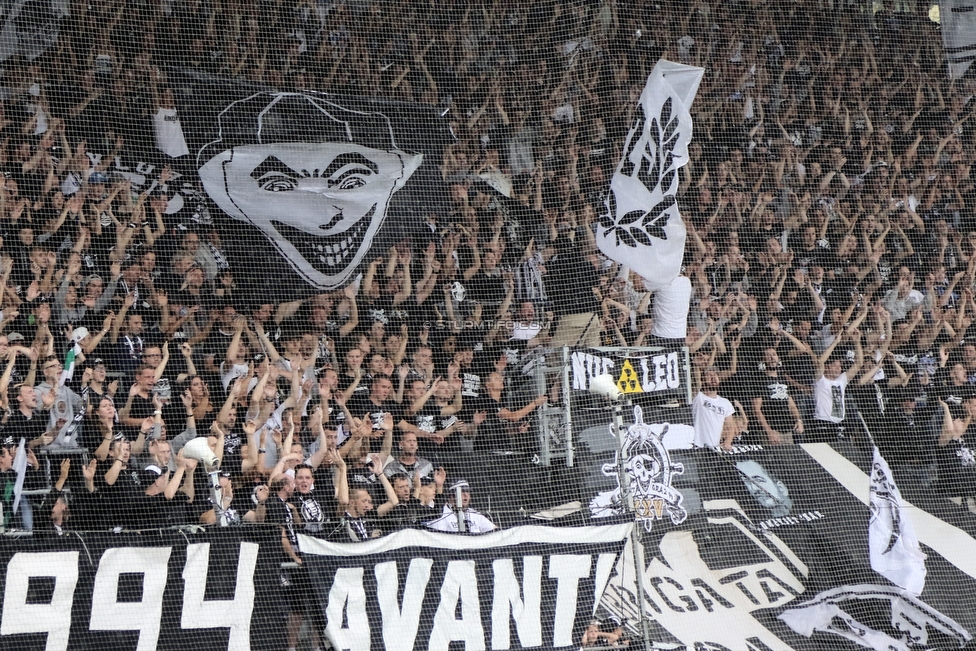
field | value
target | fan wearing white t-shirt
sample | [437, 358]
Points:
[166, 123]
[830, 387]
[671, 305]
[713, 415]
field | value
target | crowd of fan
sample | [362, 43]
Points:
[831, 250]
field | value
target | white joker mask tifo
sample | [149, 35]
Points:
[320, 200]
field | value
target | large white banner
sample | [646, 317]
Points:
[642, 228]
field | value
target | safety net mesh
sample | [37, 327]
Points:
[499, 324]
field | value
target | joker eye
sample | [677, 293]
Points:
[278, 184]
[351, 182]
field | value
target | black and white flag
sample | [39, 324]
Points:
[30, 27]
[958, 21]
[315, 177]
[642, 228]
[895, 553]
[311, 185]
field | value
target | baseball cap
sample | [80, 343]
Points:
[98, 177]
[462, 484]
[150, 474]
[79, 333]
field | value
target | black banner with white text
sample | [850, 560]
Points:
[144, 591]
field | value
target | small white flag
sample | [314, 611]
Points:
[20, 467]
[892, 542]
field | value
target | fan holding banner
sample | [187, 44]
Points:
[642, 227]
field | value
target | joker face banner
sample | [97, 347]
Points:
[316, 178]
[641, 227]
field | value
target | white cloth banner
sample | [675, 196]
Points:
[641, 227]
[20, 467]
[892, 542]
[958, 20]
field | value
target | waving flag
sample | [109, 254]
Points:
[893, 544]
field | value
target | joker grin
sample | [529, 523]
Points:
[320, 203]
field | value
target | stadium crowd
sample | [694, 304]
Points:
[831, 250]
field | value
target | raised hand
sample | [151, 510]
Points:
[109, 320]
[88, 471]
[33, 291]
[376, 465]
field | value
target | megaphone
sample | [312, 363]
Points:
[199, 449]
[604, 385]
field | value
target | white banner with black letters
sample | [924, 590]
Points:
[522, 588]
[650, 370]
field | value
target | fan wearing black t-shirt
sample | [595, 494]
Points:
[294, 582]
[319, 509]
[409, 511]
[319, 512]
[168, 497]
[377, 404]
[352, 381]
[772, 404]
[123, 488]
[140, 404]
[502, 426]
[359, 526]
[24, 422]
[431, 415]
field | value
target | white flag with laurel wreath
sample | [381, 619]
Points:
[641, 227]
